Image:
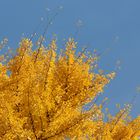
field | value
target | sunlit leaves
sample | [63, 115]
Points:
[42, 94]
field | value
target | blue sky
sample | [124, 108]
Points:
[107, 24]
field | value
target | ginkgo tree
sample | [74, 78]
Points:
[43, 92]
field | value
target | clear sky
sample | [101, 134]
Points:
[106, 24]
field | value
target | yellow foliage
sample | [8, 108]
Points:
[42, 94]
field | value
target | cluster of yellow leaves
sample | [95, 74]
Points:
[42, 94]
